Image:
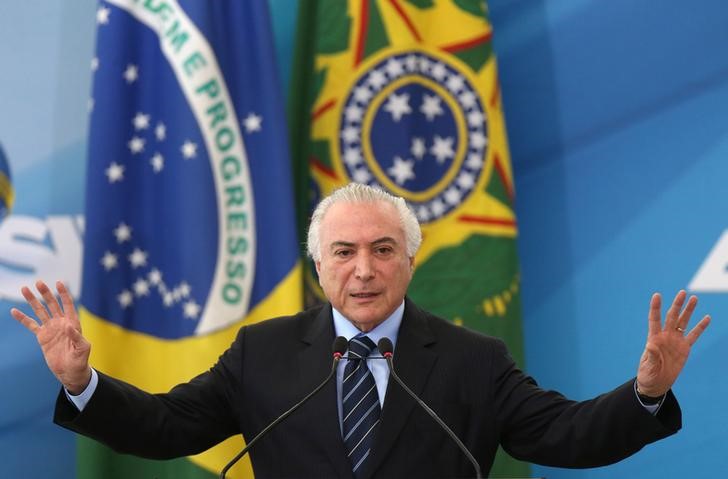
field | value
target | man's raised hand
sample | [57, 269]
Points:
[58, 332]
[668, 345]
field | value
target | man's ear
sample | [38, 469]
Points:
[318, 267]
[412, 264]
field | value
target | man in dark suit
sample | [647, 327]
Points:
[363, 242]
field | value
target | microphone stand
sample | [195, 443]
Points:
[386, 350]
[338, 353]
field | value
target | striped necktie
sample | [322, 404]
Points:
[360, 404]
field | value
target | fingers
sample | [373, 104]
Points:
[36, 305]
[51, 303]
[699, 328]
[673, 313]
[684, 318]
[75, 336]
[49, 298]
[67, 301]
[25, 320]
[654, 321]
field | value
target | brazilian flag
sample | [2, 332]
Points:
[190, 228]
[404, 95]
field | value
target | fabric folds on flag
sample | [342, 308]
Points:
[190, 228]
[403, 95]
[7, 193]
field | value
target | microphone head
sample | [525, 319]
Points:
[385, 347]
[340, 346]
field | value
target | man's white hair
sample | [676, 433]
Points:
[359, 193]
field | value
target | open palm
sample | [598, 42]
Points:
[668, 346]
[65, 350]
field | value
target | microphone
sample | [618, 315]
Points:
[339, 346]
[386, 348]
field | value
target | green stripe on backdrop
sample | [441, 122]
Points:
[98, 461]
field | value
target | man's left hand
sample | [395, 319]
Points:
[668, 346]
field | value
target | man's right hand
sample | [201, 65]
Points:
[65, 349]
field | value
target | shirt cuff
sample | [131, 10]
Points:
[651, 408]
[82, 399]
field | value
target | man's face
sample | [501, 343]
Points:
[364, 269]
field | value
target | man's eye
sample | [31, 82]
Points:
[343, 253]
[384, 250]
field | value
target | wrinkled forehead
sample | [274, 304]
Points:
[363, 221]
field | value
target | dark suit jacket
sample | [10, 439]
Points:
[467, 378]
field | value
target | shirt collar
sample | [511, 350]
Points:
[387, 329]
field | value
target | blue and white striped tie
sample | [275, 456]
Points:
[360, 404]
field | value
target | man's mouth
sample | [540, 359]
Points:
[363, 295]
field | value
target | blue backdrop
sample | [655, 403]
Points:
[616, 114]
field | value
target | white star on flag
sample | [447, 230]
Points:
[394, 68]
[442, 148]
[136, 145]
[125, 298]
[455, 83]
[140, 121]
[94, 64]
[377, 79]
[423, 214]
[361, 176]
[476, 119]
[141, 287]
[431, 107]
[362, 94]
[252, 122]
[475, 161]
[191, 309]
[160, 131]
[401, 171]
[438, 71]
[398, 106]
[438, 208]
[467, 99]
[410, 62]
[465, 180]
[189, 150]
[350, 134]
[122, 233]
[102, 15]
[478, 140]
[453, 196]
[352, 157]
[157, 162]
[131, 74]
[184, 289]
[115, 172]
[138, 258]
[109, 261]
[167, 299]
[424, 64]
[418, 148]
[155, 277]
[353, 113]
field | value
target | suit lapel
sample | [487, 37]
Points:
[317, 335]
[413, 362]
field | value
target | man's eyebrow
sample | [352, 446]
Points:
[337, 244]
[348, 244]
[385, 239]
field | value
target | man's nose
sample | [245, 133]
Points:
[364, 270]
